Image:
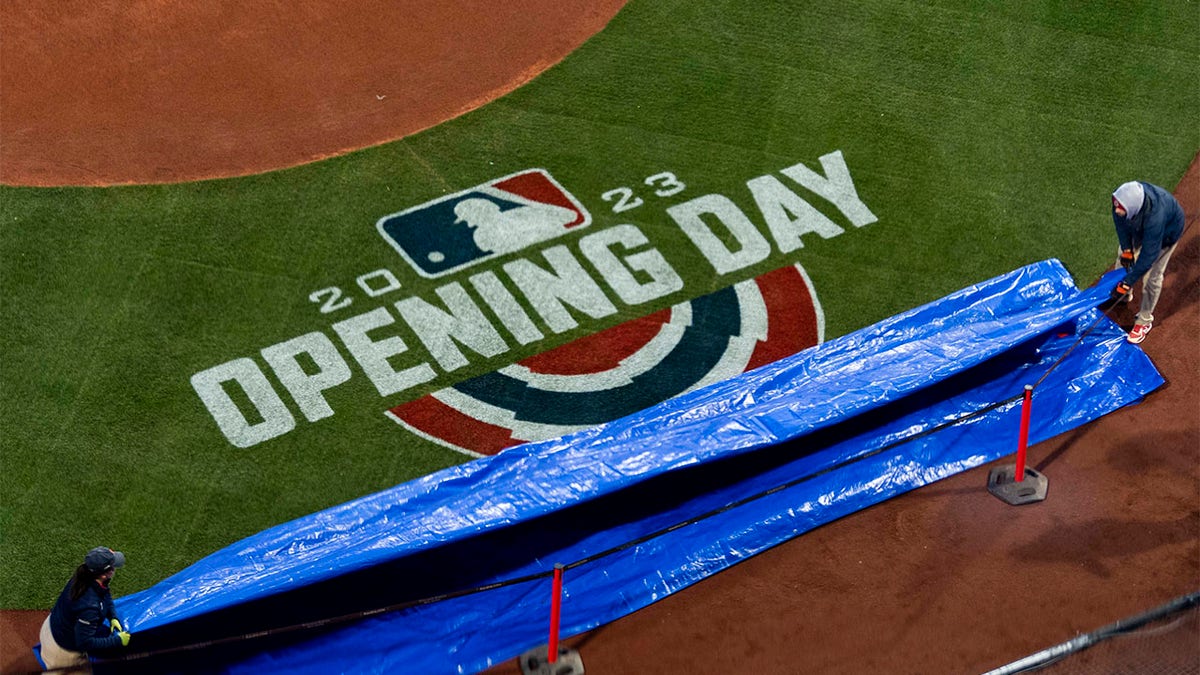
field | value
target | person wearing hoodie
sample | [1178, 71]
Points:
[76, 625]
[1149, 225]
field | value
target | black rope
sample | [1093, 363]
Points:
[356, 616]
[1103, 315]
[793, 483]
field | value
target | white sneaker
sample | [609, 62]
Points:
[1139, 332]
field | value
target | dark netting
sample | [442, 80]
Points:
[1163, 641]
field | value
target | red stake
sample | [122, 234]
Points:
[555, 606]
[1023, 439]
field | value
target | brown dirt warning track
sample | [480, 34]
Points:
[945, 579]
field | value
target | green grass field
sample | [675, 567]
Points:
[982, 135]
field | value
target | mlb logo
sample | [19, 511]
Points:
[505, 215]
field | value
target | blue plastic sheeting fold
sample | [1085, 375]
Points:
[828, 423]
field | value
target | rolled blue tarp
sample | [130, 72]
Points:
[700, 482]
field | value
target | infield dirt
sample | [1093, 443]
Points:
[149, 92]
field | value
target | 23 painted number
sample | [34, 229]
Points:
[667, 184]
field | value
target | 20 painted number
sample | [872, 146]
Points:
[374, 284]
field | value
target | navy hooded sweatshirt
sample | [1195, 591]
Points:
[1155, 225]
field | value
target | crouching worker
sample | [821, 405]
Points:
[1149, 225]
[76, 625]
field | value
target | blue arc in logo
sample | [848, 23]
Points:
[716, 318]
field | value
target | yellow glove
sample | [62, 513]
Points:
[115, 624]
[124, 638]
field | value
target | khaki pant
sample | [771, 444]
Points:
[57, 657]
[1152, 283]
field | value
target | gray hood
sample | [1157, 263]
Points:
[1131, 195]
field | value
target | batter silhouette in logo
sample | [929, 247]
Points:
[468, 227]
[497, 231]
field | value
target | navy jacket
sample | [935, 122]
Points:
[78, 625]
[1155, 228]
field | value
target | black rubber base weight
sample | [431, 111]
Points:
[1002, 482]
[533, 662]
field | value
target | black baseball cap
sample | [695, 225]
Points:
[102, 559]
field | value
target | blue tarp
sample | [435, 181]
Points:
[827, 424]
